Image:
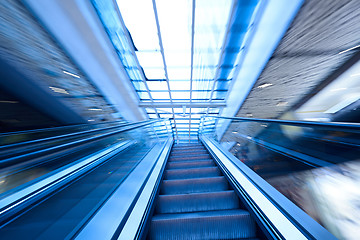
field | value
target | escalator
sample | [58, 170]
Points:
[197, 202]
[144, 187]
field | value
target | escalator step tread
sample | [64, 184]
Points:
[189, 150]
[194, 185]
[223, 224]
[192, 173]
[182, 159]
[196, 202]
[194, 154]
[190, 164]
[178, 149]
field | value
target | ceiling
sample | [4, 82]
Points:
[320, 45]
[181, 56]
[306, 56]
[27, 46]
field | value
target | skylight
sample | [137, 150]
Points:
[178, 52]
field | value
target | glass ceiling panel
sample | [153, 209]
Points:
[178, 59]
[150, 59]
[175, 21]
[179, 73]
[157, 85]
[166, 115]
[154, 73]
[143, 29]
[180, 95]
[201, 95]
[204, 85]
[164, 110]
[181, 121]
[143, 95]
[160, 95]
[150, 110]
[139, 85]
[178, 110]
[222, 85]
[179, 85]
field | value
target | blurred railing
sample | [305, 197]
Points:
[50, 161]
[314, 164]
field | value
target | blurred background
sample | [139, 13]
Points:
[221, 68]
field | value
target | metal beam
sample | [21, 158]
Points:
[163, 58]
[192, 59]
[181, 104]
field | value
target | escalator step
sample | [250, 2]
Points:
[190, 164]
[187, 149]
[192, 173]
[196, 202]
[194, 154]
[188, 152]
[224, 224]
[194, 185]
[190, 158]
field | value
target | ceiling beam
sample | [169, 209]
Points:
[181, 104]
[164, 61]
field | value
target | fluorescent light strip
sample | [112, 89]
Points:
[281, 104]
[71, 74]
[59, 90]
[265, 85]
[349, 49]
[355, 75]
[7, 101]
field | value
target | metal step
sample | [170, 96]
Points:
[190, 158]
[195, 185]
[187, 148]
[192, 173]
[188, 145]
[195, 154]
[190, 164]
[223, 224]
[197, 202]
[190, 152]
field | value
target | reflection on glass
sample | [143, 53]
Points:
[316, 166]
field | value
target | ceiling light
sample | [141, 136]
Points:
[59, 90]
[337, 89]
[7, 101]
[349, 49]
[95, 109]
[238, 144]
[248, 115]
[265, 85]
[71, 74]
[91, 120]
[234, 132]
[281, 104]
[354, 75]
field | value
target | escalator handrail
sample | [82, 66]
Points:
[331, 125]
[56, 128]
[11, 204]
[293, 216]
[127, 127]
[73, 134]
[126, 216]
